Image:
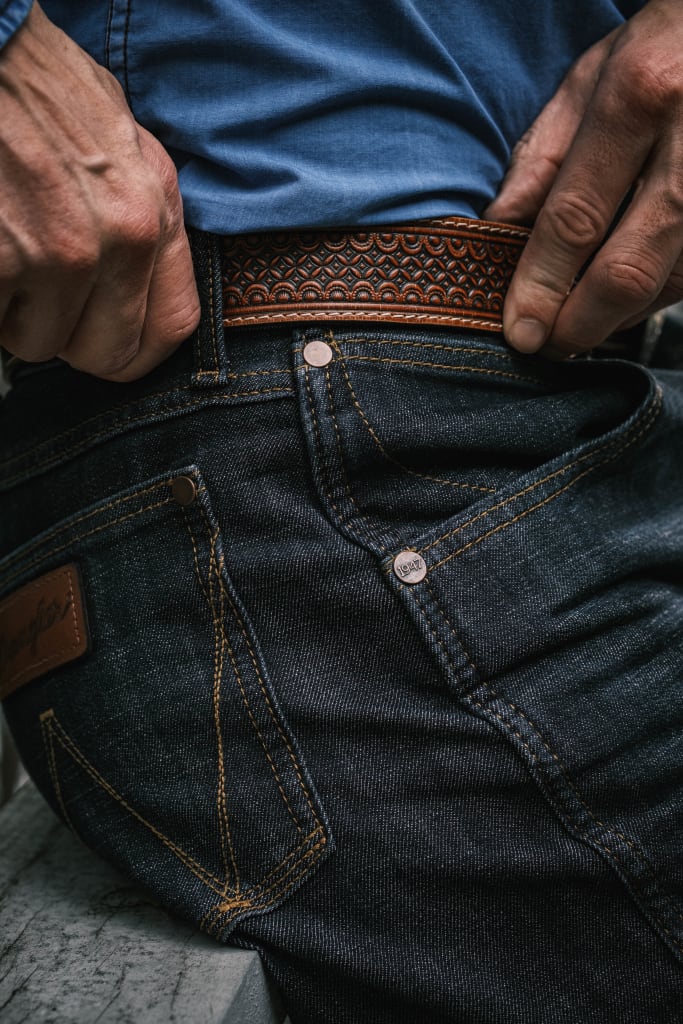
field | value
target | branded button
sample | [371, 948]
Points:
[318, 353]
[410, 567]
[183, 490]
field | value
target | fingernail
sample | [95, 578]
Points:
[527, 335]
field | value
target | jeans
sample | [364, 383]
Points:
[384, 663]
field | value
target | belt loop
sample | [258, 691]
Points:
[210, 358]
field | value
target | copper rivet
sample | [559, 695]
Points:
[318, 353]
[183, 490]
[410, 567]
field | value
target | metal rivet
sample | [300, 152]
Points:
[184, 490]
[318, 353]
[410, 567]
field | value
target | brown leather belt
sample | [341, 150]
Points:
[450, 272]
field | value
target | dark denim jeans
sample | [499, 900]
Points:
[454, 800]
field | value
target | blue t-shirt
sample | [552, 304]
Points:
[315, 112]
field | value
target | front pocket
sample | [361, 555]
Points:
[164, 746]
[552, 605]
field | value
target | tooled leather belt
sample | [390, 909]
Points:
[450, 272]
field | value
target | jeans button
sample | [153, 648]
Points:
[410, 567]
[183, 490]
[317, 353]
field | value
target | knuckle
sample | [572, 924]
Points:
[140, 225]
[574, 221]
[632, 281]
[637, 80]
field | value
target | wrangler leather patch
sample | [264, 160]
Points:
[42, 626]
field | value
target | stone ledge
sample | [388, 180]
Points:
[79, 944]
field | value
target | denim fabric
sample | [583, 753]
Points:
[452, 801]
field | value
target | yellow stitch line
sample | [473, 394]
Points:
[277, 889]
[487, 371]
[651, 415]
[100, 510]
[74, 752]
[219, 566]
[595, 839]
[259, 373]
[212, 911]
[255, 725]
[48, 743]
[306, 841]
[222, 796]
[319, 445]
[219, 657]
[256, 893]
[459, 349]
[316, 853]
[502, 526]
[638, 852]
[342, 462]
[205, 400]
[385, 453]
[82, 536]
[254, 661]
[77, 755]
[196, 560]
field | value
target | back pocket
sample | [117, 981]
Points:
[157, 738]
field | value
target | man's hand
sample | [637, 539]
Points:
[615, 123]
[95, 264]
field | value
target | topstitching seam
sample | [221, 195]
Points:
[390, 458]
[648, 416]
[638, 853]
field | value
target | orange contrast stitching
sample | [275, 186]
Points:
[502, 526]
[205, 400]
[71, 748]
[649, 416]
[487, 371]
[81, 536]
[390, 458]
[536, 759]
[342, 462]
[254, 661]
